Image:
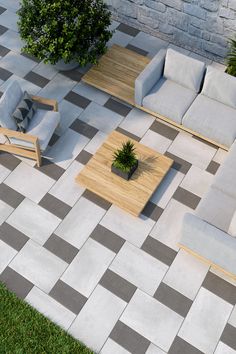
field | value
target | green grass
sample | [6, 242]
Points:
[23, 330]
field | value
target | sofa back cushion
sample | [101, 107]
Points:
[24, 112]
[232, 226]
[220, 86]
[8, 103]
[184, 70]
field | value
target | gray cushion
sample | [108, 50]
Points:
[217, 208]
[149, 76]
[209, 242]
[43, 126]
[220, 86]
[212, 119]
[24, 112]
[232, 226]
[8, 103]
[184, 70]
[169, 99]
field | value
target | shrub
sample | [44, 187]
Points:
[124, 159]
[231, 58]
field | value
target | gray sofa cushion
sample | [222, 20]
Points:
[24, 112]
[217, 208]
[8, 103]
[149, 76]
[210, 242]
[43, 126]
[232, 226]
[212, 119]
[184, 70]
[220, 86]
[169, 99]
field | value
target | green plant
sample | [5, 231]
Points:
[64, 29]
[231, 58]
[124, 159]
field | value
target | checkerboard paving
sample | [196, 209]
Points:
[118, 283]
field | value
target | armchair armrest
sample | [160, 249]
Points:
[47, 101]
[149, 76]
[19, 135]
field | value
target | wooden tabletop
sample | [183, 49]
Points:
[131, 195]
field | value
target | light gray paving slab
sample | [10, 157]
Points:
[9, 19]
[223, 348]
[101, 118]
[156, 141]
[65, 150]
[137, 122]
[33, 221]
[197, 181]
[24, 84]
[69, 112]
[16, 63]
[4, 172]
[139, 268]
[153, 349]
[220, 156]
[50, 308]
[66, 189]
[197, 153]
[112, 347]
[96, 142]
[38, 265]
[166, 189]
[46, 70]
[87, 268]
[30, 182]
[131, 228]
[11, 40]
[120, 38]
[80, 222]
[58, 87]
[186, 274]
[205, 321]
[98, 316]
[12, 5]
[232, 319]
[168, 227]
[5, 211]
[148, 43]
[152, 319]
[91, 93]
[7, 254]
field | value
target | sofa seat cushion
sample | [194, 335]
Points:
[43, 126]
[217, 208]
[169, 99]
[212, 119]
[232, 226]
[8, 103]
[183, 70]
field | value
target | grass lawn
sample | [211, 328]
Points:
[23, 330]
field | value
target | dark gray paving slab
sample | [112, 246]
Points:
[84, 157]
[96, 199]
[53, 139]
[187, 198]
[77, 99]
[12, 236]
[158, 250]
[128, 134]
[131, 31]
[137, 50]
[50, 169]
[179, 164]
[10, 196]
[164, 130]
[118, 285]
[152, 211]
[36, 79]
[9, 161]
[68, 296]
[107, 238]
[5, 74]
[173, 299]
[213, 167]
[61, 248]
[72, 74]
[2, 9]
[55, 205]
[15, 282]
[179, 346]
[84, 128]
[3, 29]
[117, 107]
[220, 287]
[229, 336]
[129, 339]
[31, 57]
[3, 51]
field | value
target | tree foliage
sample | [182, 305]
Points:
[231, 58]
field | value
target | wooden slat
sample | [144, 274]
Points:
[14, 149]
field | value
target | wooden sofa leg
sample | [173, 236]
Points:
[38, 154]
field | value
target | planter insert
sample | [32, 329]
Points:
[126, 175]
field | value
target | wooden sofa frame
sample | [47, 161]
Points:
[33, 152]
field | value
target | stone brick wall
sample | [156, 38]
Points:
[203, 26]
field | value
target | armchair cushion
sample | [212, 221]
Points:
[8, 103]
[24, 112]
[169, 99]
[42, 126]
[220, 86]
[184, 70]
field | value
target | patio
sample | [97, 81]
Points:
[116, 282]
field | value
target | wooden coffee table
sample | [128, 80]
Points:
[132, 195]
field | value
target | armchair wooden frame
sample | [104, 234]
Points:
[33, 152]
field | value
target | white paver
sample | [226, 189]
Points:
[91, 93]
[69, 112]
[96, 142]
[58, 87]
[17, 64]
[5, 211]
[156, 141]
[197, 181]
[137, 122]
[112, 347]
[7, 254]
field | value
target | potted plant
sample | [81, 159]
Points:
[67, 33]
[231, 58]
[125, 161]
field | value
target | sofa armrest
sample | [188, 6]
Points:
[18, 135]
[149, 76]
[46, 101]
[211, 243]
